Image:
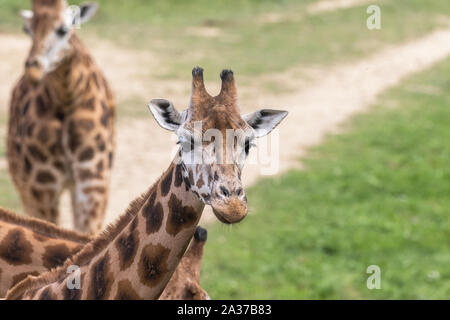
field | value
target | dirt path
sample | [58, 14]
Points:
[315, 8]
[144, 149]
[330, 5]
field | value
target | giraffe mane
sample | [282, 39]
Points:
[90, 250]
[42, 227]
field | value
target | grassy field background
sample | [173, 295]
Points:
[255, 37]
[376, 194]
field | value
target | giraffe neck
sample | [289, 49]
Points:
[68, 84]
[136, 256]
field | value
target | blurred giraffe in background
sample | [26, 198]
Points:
[61, 121]
[135, 257]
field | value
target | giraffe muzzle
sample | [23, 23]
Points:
[34, 70]
[233, 210]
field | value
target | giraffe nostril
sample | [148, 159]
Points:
[239, 191]
[31, 63]
[224, 191]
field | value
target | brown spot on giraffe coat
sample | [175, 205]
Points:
[125, 291]
[28, 166]
[85, 124]
[86, 155]
[180, 216]
[47, 294]
[89, 104]
[127, 245]
[153, 264]
[37, 194]
[178, 176]
[43, 135]
[200, 182]
[37, 154]
[41, 106]
[101, 279]
[15, 249]
[101, 146]
[106, 114]
[166, 183]
[75, 137]
[72, 294]
[55, 255]
[45, 177]
[153, 213]
[26, 107]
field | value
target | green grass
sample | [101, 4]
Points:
[377, 194]
[245, 43]
[8, 195]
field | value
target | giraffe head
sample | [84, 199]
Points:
[51, 25]
[215, 141]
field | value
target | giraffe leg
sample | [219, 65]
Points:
[41, 203]
[89, 200]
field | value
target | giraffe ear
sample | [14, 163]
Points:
[26, 15]
[78, 15]
[87, 11]
[165, 114]
[264, 121]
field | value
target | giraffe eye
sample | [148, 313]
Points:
[62, 31]
[26, 30]
[187, 144]
[248, 145]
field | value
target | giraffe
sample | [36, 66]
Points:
[30, 246]
[135, 257]
[185, 281]
[61, 120]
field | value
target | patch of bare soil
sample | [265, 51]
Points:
[315, 8]
[204, 31]
[13, 50]
[331, 5]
